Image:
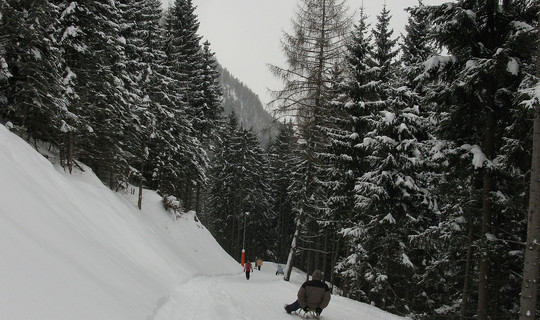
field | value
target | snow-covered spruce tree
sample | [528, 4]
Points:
[4, 72]
[185, 60]
[31, 85]
[335, 181]
[311, 50]
[154, 100]
[384, 50]
[416, 48]
[223, 212]
[280, 158]
[256, 196]
[359, 89]
[385, 133]
[141, 18]
[474, 92]
[166, 134]
[211, 109]
[94, 55]
[211, 104]
[238, 184]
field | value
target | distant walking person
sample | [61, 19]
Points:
[279, 269]
[259, 264]
[247, 268]
[314, 295]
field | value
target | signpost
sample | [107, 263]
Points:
[243, 259]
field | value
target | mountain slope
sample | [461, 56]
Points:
[247, 106]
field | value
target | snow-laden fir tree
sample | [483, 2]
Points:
[358, 89]
[384, 153]
[211, 104]
[238, 186]
[281, 156]
[4, 72]
[483, 187]
[94, 70]
[185, 62]
[30, 63]
[314, 45]
[148, 98]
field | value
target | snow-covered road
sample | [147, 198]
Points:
[261, 297]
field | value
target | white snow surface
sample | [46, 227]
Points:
[70, 248]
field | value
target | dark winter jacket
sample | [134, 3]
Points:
[314, 293]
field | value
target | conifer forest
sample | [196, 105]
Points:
[402, 165]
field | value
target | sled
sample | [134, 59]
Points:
[307, 315]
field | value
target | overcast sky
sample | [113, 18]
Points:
[245, 34]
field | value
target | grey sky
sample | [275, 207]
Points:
[246, 34]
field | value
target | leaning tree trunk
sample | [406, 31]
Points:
[292, 252]
[531, 268]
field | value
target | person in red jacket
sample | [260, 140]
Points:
[247, 268]
[314, 295]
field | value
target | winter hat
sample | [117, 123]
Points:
[317, 275]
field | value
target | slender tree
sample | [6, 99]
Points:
[531, 270]
[475, 92]
[314, 46]
[32, 85]
[185, 60]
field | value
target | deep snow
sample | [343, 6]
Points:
[70, 248]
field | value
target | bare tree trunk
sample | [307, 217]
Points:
[70, 152]
[333, 262]
[465, 294]
[325, 254]
[488, 149]
[198, 199]
[531, 268]
[139, 203]
[292, 252]
[483, 269]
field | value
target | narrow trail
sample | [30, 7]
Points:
[261, 297]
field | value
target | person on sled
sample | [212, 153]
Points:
[314, 295]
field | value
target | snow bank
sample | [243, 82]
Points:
[72, 249]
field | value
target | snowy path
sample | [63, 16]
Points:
[261, 297]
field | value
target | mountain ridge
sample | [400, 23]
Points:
[238, 97]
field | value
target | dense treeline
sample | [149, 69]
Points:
[410, 179]
[122, 86]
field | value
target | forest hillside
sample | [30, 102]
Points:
[73, 249]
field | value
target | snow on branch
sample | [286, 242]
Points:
[530, 90]
[479, 158]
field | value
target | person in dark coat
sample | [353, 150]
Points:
[247, 268]
[313, 295]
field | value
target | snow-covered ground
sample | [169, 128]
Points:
[70, 248]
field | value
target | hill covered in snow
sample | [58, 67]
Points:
[73, 249]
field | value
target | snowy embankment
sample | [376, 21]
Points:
[70, 248]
